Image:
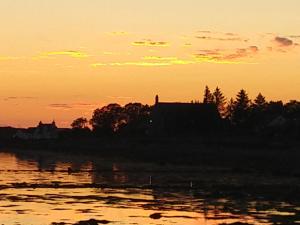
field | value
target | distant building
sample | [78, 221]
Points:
[43, 131]
[183, 118]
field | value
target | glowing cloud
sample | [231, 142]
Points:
[73, 54]
[159, 58]
[68, 106]
[150, 43]
[219, 56]
[147, 64]
[151, 61]
[210, 38]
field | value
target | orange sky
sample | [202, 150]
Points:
[60, 59]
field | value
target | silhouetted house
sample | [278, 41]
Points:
[43, 131]
[183, 118]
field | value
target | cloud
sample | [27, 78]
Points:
[221, 56]
[118, 33]
[187, 45]
[140, 63]
[253, 49]
[60, 106]
[98, 64]
[294, 36]
[149, 61]
[205, 31]
[205, 55]
[73, 54]
[231, 34]
[15, 98]
[159, 58]
[283, 41]
[210, 38]
[150, 43]
[68, 106]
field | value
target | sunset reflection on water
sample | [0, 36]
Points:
[22, 203]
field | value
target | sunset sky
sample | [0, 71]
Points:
[61, 59]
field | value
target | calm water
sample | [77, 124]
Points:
[42, 189]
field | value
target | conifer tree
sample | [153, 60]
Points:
[220, 101]
[241, 107]
[229, 109]
[208, 97]
[260, 101]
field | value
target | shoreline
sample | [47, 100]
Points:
[247, 155]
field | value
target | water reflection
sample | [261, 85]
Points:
[34, 190]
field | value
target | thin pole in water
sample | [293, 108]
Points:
[150, 180]
[191, 184]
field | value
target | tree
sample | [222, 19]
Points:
[220, 101]
[229, 109]
[241, 108]
[80, 123]
[137, 118]
[260, 102]
[208, 97]
[258, 116]
[108, 119]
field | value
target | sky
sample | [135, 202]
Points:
[61, 59]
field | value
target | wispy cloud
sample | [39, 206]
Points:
[210, 38]
[159, 58]
[219, 36]
[150, 43]
[140, 63]
[60, 106]
[294, 36]
[283, 41]
[69, 106]
[205, 31]
[118, 33]
[226, 57]
[15, 98]
[73, 54]
[210, 55]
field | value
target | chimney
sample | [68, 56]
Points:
[156, 99]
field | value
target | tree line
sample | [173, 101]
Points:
[241, 115]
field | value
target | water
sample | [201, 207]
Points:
[45, 188]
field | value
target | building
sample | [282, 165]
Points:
[43, 131]
[174, 118]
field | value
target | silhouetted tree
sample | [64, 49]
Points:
[220, 101]
[260, 101]
[258, 116]
[292, 113]
[208, 97]
[80, 123]
[274, 109]
[137, 118]
[108, 119]
[292, 109]
[229, 109]
[241, 108]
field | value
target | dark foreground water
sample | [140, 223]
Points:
[44, 188]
